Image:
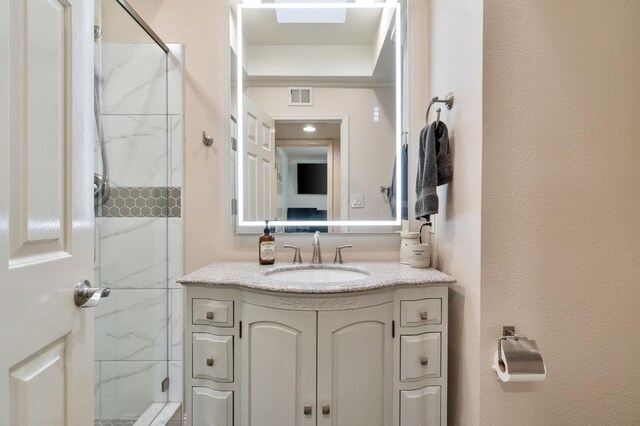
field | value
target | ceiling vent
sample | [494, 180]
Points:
[300, 96]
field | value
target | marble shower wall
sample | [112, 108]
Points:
[138, 329]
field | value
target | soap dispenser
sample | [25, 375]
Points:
[267, 247]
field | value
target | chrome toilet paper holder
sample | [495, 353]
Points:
[507, 331]
[522, 360]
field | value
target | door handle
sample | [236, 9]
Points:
[86, 296]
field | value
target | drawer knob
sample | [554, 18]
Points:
[307, 410]
[424, 361]
[210, 362]
[210, 315]
[326, 409]
[424, 315]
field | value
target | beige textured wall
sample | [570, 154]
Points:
[560, 207]
[454, 54]
[202, 26]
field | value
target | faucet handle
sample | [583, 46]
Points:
[338, 258]
[297, 259]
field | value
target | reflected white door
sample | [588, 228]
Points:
[259, 163]
[46, 211]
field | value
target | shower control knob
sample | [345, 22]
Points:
[210, 362]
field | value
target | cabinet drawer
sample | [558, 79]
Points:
[213, 312]
[420, 406]
[213, 357]
[211, 407]
[420, 312]
[420, 356]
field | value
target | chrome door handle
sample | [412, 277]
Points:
[86, 296]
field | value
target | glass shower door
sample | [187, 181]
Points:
[131, 166]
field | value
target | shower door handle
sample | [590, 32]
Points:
[86, 296]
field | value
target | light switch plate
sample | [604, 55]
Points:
[356, 201]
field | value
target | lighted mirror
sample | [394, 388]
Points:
[317, 115]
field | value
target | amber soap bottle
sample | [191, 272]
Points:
[267, 247]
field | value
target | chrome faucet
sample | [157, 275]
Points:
[317, 256]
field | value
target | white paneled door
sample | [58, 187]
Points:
[259, 164]
[46, 211]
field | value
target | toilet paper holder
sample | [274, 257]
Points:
[507, 330]
[518, 358]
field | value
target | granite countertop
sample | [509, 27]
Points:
[251, 275]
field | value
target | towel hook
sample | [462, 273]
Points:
[448, 101]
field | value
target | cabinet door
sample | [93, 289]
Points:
[278, 366]
[355, 355]
[211, 407]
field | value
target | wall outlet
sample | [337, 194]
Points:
[357, 201]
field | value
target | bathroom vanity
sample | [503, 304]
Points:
[264, 346]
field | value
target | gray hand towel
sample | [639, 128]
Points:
[435, 167]
[443, 155]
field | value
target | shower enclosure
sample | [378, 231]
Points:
[137, 189]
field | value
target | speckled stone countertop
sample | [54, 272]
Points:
[251, 275]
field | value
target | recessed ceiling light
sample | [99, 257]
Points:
[309, 128]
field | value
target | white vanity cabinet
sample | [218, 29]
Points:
[264, 358]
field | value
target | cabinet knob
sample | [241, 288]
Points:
[210, 362]
[307, 410]
[424, 315]
[326, 409]
[210, 315]
[424, 361]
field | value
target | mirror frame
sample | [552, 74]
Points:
[241, 223]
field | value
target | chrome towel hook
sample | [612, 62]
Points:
[206, 139]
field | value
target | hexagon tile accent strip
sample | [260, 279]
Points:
[142, 202]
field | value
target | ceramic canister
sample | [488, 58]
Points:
[408, 239]
[420, 256]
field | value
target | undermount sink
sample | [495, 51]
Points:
[317, 275]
